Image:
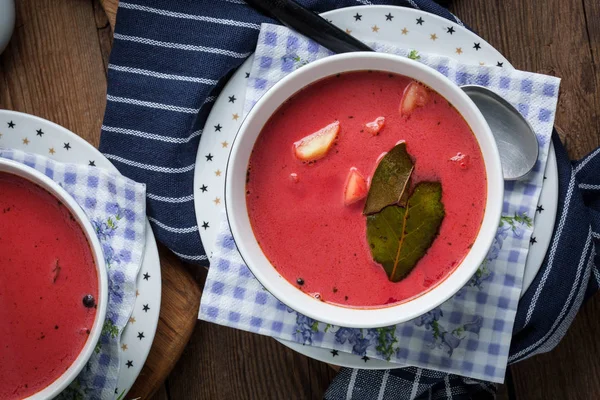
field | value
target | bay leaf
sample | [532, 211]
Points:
[400, 236]
[390, 179]
[404, 198]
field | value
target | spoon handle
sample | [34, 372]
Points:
[306, 22]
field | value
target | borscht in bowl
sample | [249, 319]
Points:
[53, 285]
[364, 189]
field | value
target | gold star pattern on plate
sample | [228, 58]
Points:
[224, 144]
[433, 37]
[404, 31]
[124, 347]
[235, 116]
[137, 293]
[25, 141]
[481, 63]
[218, 172]
[131, 320]
[51, 150]
[348, 31]
[0, 135]
[217, 201]
[375, 28]
[459, 50]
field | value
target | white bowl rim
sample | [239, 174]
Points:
[36, 177]
[241, 229]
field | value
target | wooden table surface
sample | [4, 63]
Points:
[56, 68]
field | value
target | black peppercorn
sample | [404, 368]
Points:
[89, 301]
[300, 281]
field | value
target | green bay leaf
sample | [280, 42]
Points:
[390, 179]
[400, 236]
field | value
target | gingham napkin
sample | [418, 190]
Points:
[116, 206]
[469, 334]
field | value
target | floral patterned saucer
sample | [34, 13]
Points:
[36, 135]
[402, 27]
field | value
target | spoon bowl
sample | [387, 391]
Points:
[516, 141]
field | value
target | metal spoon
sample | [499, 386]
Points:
[515, 138]
[517, 143]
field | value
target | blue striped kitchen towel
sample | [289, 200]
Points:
[170, 60]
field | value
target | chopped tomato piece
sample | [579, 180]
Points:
[356, 187]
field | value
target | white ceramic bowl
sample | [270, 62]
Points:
[58, 192]
[7, 22]
[241, 228]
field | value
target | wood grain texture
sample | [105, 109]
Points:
[51, 72]
[161, 394]
[223, 363]
[55, 67]
[110, 6]
[104, 29]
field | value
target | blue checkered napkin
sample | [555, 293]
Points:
[468, 335]
[116, 206]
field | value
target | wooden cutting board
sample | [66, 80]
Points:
[179, 306]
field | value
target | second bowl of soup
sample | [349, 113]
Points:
[364, 189]
[53, 285]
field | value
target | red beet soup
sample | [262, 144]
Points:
[307, 213]
[46, 271]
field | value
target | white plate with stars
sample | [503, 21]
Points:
[401, 27]
[36, 135]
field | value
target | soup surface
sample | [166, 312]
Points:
[46, 269]
[297, 209]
